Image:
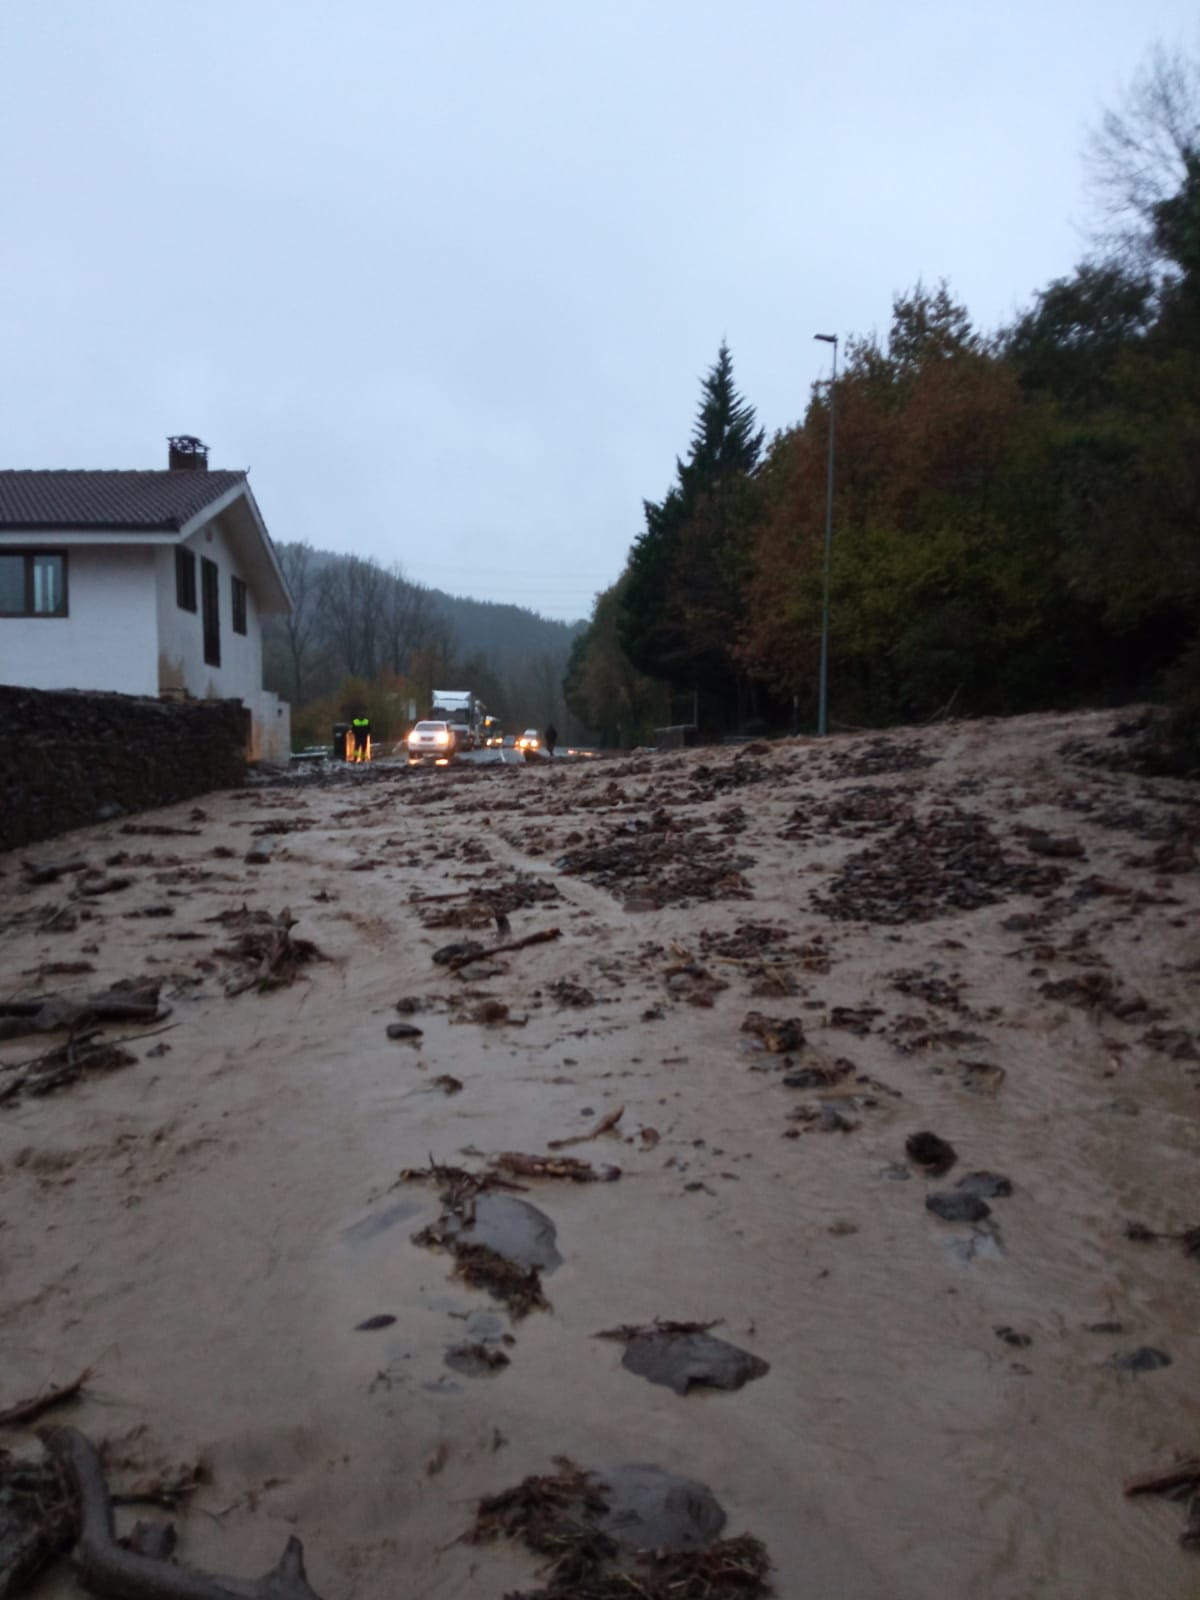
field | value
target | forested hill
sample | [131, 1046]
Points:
[504, 633]
[363, 630]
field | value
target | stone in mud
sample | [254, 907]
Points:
[513, 1229]
[1019, 1341]
[684, 1361]
[462, 950]
[382, 1320]
[952, 1206]
[649, 1508]
[930, 1152]
[407, 1031]
[1144, 1359]
[984, 1185]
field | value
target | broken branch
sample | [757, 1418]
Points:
[106, 1569]
[543, 937]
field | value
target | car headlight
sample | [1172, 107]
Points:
[443, 738]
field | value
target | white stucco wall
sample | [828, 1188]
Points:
[181, 662]
[108, 640]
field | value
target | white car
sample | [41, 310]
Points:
[431, 741]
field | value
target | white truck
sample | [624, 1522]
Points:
[465, 714]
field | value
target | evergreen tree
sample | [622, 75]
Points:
[681, 603]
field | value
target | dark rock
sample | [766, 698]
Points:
[512, 1228]
[954, 1207]
[683, 1361]
[930, 1152]
[381, 1320]
[1019, 1341]
[462, 950]
[404, 1030]
[649, 1508]
[985, 1185]
[1144, 1359]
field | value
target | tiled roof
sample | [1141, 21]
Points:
[147, 500]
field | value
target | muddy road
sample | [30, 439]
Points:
[763, 971]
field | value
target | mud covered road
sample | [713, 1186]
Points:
[772, 967]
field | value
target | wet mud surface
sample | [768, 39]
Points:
[875, 1063]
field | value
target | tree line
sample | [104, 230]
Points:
[362, 634]
[1016, 514]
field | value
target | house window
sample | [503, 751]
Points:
[185, 579]
[239, 605]
[33, 583]
[210, 611]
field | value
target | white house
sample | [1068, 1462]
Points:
[147, 583]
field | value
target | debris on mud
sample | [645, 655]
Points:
[498, 1244]
[38, 1519]
[605, 1125]
[267, 955]
[690, 981]
[662, 861]
[950, 861]
[1146, 1358]
[65, 1064]
[930, 1152]
[1189, 1238]
[520, 1288]
[953, 1206]
[779, 1035]
[475, 1360]
[113, 1570]
[382, 1319]
[519, 1165]
[130, 1000]
[684, 1356]
[634, 1533]
[819, 1075]
[569, 995]
[1181, 1481]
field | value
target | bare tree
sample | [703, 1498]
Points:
[353, 597]
[301, 627]
[1137, 157]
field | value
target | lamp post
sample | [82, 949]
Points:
[823, 691]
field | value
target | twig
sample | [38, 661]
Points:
[502, 949]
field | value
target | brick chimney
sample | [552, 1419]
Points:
[186, 453]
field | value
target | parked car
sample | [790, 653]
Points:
[431, 741]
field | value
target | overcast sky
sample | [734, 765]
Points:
[446, 274]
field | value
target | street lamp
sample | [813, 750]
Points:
[823, 692]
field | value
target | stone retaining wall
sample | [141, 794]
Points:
[68, 759]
